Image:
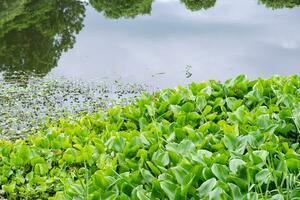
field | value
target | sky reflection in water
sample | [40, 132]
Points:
[233, 37]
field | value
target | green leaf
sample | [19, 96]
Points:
[69, 156]
[207, 110]
[207, 90]
[188, 107]
[293, 164]
[234, 164]
[259, 157]
[207, 173]
[24, 153]
[147, 176]
[296, 118]
[240, 182]
[76, 190]
[140, 193]
[169, 188]
[161, 158]
[187, 184]
[10, 188]
[200, 103]
[153, 168]
[183, 148]
[220, 171]
[263, 176]
[252, 196]
[180, 174]
[231, 142]
[233, 103]
[217, 194]
[41, 169]
[175, 98]
[235, 192]
[151, 110]
[206, 187]
[118, 144]
[239, 116]
[100, 180]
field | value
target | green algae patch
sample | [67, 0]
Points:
[211, 140]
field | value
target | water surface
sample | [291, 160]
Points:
[161, 43]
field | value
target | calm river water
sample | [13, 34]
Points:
[162, 43]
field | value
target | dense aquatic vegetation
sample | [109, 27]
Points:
[27, 105]
[210, 140]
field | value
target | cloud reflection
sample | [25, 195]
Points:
[231, 38]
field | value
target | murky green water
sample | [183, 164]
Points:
[162, 43]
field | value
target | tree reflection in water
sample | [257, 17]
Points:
[116, 9]
[33, 34]
[279, 4]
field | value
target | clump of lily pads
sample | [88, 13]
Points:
[26, 106]
[237, 140]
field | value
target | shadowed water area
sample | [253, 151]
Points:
[161, 43]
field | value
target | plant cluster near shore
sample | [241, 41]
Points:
[211, 140]
[28, 104]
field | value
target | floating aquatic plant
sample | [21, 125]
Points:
[236, 140]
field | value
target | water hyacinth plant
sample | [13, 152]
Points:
[211, 140]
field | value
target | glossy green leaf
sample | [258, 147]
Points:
[220, 171]
[206, 187]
